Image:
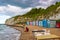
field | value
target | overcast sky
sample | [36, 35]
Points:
[9, 8]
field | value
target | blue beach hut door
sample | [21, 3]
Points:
[45, 23]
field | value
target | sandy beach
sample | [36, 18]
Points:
[29, 35]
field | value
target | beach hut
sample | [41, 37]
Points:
[48, 21]
[58, 24]
[33, 23]
[45, 23]
[27, 23]
[52, 23]
[40, 23]
[37, 24]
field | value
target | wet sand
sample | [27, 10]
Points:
[29, 35]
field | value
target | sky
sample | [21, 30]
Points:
[10, 8]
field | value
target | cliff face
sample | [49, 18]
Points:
[10, 21]
[57, 15]
[52, 12]
[14, 20]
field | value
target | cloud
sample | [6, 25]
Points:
[9, 8]
[13, 10]
[20, 7]
[9, 11]
[28, 3]
[3, 18]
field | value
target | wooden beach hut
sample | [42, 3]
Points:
[27, 23]
[52, 23]
[48, 21]
[58, 24]
[45, 23]
[33, 23]
[36, 23]
[40, 23]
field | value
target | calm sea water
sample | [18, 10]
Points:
[8, 33]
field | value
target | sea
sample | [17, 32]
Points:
[8, 33]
